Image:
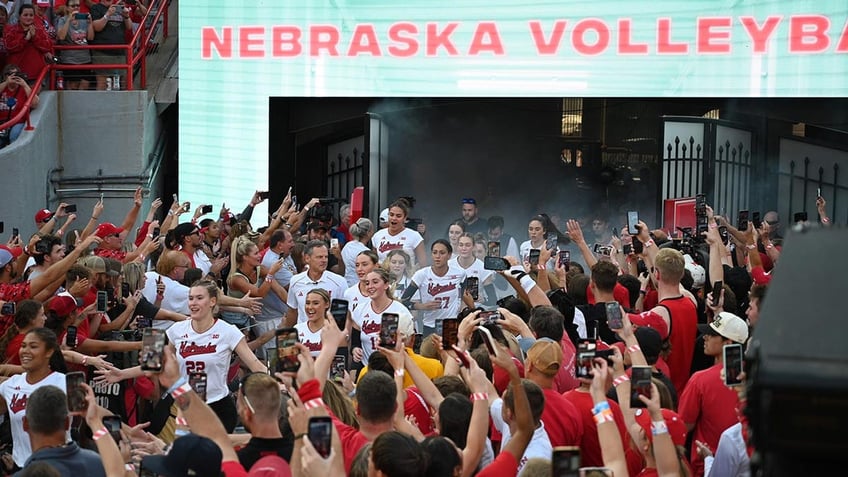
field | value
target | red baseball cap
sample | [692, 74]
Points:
[270, 466]
[651, 320]
[43, 216]
[106, 229]
[760, 276]
[15, 251]
[675, 424]
[62, 305]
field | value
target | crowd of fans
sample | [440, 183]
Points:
[484, 357]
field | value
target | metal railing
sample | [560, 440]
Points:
[36, 87]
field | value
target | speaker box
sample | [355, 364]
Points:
[798, 358]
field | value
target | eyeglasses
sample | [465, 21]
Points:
[469, 200]
[244, 394]
[772, 222]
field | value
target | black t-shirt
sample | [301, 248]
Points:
[112, 33]
[259, 447]
[143, 308]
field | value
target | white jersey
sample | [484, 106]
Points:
[308, 338]
[446, 290]
[207, 352]
[175, 299]
[350, 251]
[407, 240]
[15, 391]
[355, 298]
[369, 321]
[525, 254]
[301, 285]
[475, 270]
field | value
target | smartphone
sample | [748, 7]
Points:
[80, 16]
[102, 301]
[156, 233]
[614, 318]
[152, 349]
[71, 208]
[640, 383]
[564, 259]
[755, 219]
[493, 249]
[320, 433]
[416, 345]
[732, 355]
[722, 231]
[633, 222]
[287, 352]
[71, 337]
[334, 242]
[388, 330]
[627, 248]
[125, 289]
[742, 220]
[2, 227]
[602, 249]
[495, 263]
[197, 381]
[488, 339]
[565, 461]
[450, 328]
[76, 393]
[534, 256]
[16, 232]
[8, 308]
[463, 359]
[798, 217]
[717, 286]
[113, 425]
[338, 367]
[142, 322]
[206, 209]
[638, 246]
[700, 204]
[472, 285]
[818, 192]
[550, 240]
[186, 206]
[489, 317]
[338, 308]
[584, 364]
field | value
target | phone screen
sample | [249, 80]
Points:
[102, 301]
[152, 349]
[264, 195]
[755, 219]
[286, 350]
[534, 256]
[71, 208]
[495, 263]
[321, 434]
[551, 241]
[197, 381]
[614, 318]
[76, 393]
[338, 308]
[206, 209]
[15, 232]
[388, 330]
[339, 367]
[334, 243]
[640, 384]
[717, 286]
[450, 328]
[566, 461]
[71, 337]
[722, 232]
[472, 284]
[113, 425]
[584, 363]
[565, 259]
[742, 220]
[493, 249]
[8, 308]
[125, 289]
[732, 364]
[633, 222]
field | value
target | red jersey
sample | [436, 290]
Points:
[711, 407]
[590, 447]
[12, 349]
[563, 421]
[565, 380]
[504, 464]
[683, 333]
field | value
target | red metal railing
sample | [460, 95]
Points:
[25, 109]
[136, 49]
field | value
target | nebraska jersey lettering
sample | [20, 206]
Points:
[445, 290]
[308, 338]
[369, 322]
[208, 352]
[406, 240]
[16, 391]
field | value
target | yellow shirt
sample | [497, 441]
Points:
[431, 367]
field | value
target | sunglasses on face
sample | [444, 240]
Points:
[469, 200]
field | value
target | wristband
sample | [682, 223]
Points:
[516, 270]
[84, 360]
[178, 383]
[181, 421]
[649, 243]
[659, 427]
[527, 283]
[604, 416]
[769, 247]
[300, 436]
[98, 434]
[94, 218]
[825, 220]
[643, 292]
[634, 348]
[184, 388]
[129, 468]
[313, 403]
[479, 397]
[751, 246]
[399, 373]
[619, 380]
[600, 407]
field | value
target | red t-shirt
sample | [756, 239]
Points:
[15, 291]
[565, 380]
[416, 406]
[12, 349]
[504, 464]
[563, 421]
[682, 335]
[711, 407]
[620, 293]
[118, 255]
[590, 447]
[232, 468]
[500, 378]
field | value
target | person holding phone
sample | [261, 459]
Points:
[14, 92]
[111, 22]
[43, 365]
[317, 306]
[473, 267]
[361, 231]
[439, 288]
[397, 236]
[75, 28]
[366, 319]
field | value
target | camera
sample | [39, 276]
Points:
[602, 249]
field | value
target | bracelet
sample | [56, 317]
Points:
[181, 421]
[313, 403]
[268, 278]
[94, 218]
[619, 380]
[399, 373]
[100, 433]
[634, 348]
[184, 388]
[659, 427]
[300, 436]
[129, 467]
[527, 283]
[649, 243]
[604, 416]
[600, 407]
[825, 220]
[479, 397]
[643, 292]
[751, 246]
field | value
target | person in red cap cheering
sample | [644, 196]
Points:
[112, 244]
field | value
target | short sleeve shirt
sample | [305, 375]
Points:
[301, 284]
[355, 298]
[15, 391]
[310, 339]
[207, 352]
[406, 240]
[445, 289]
[369, 322]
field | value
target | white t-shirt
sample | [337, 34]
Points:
[539, 446]
[301, 285]
[15, 391]
[176, 297]
[525, 254]
[369, 321]
[201, 261]
[308, 338]
[475, 270]
[445, 289]
[349, 253]
[407, 240]
[355, 298]
[207, 352]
